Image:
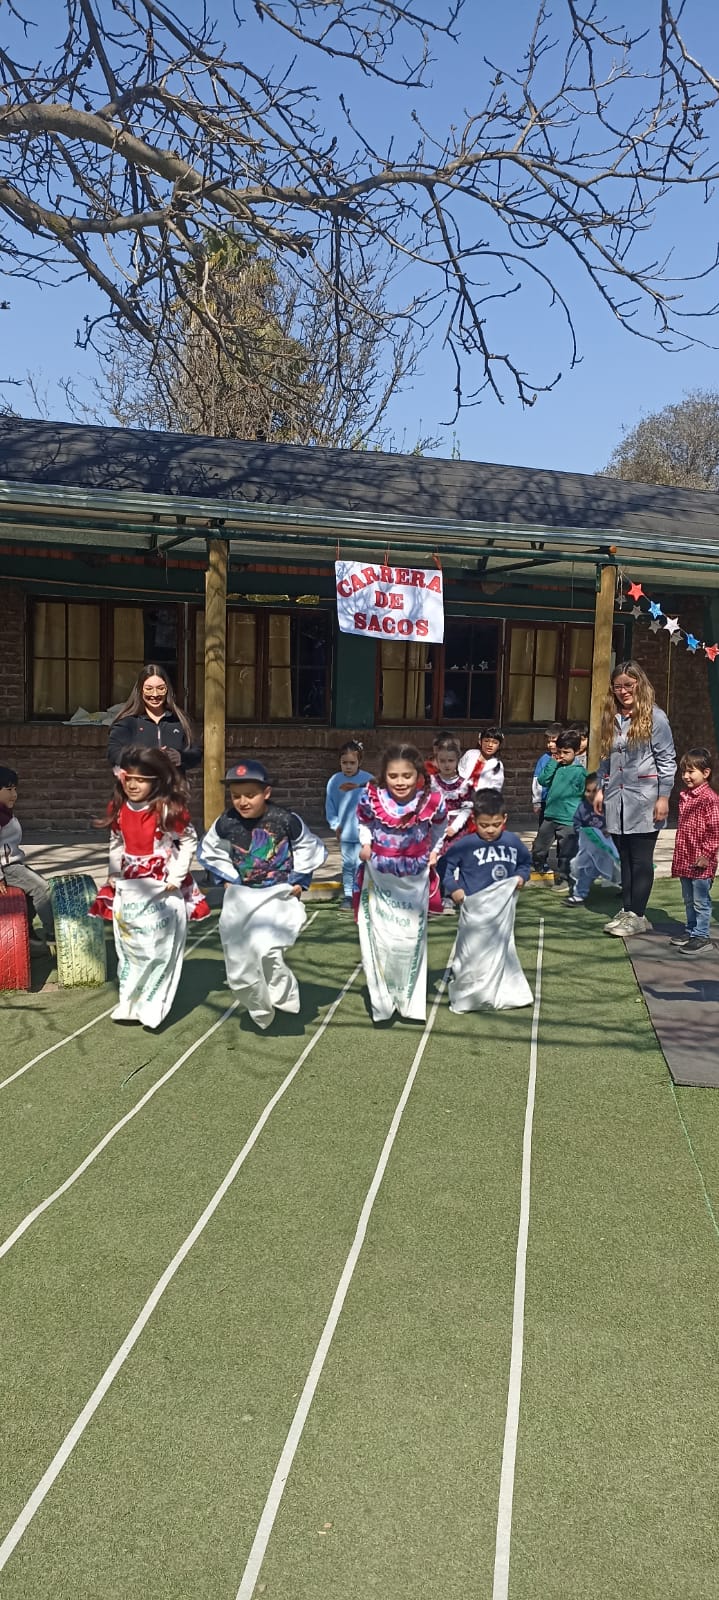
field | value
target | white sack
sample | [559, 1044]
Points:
[393, 942]
[598, 851]
[308, 852]
[486, 968]
[150, 928]
[256, 926]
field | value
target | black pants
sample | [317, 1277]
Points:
[566, 839]
[636, 852]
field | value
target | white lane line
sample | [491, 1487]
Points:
[75, 1433]
[500, 1588]
[284, 1465]
[76, 1035]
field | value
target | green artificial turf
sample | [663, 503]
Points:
[395, 1483]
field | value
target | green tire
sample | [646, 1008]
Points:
[80, 939]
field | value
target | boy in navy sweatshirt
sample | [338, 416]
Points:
[482, 872]
[479, 860]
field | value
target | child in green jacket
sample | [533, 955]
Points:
[564, 779]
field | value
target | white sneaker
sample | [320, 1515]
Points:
[634, 924]
[617, 922]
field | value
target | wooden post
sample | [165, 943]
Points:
[601, 657]
[215, 659]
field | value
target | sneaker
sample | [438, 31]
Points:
[616, 925]
[634, 924]
[573, 900]
[681, 941]
[696, 947]
[560, 886]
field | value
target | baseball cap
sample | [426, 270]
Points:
[249, 772]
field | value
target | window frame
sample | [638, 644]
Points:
[563, 672]
[262, 615]
[106, 662]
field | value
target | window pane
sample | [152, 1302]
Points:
[521, 657]
[312, 641]
[545, 700]
[520, 698]
[580, 649]
[457, 645]
[579, 699]
[485, 646]
[406, 682]
[241, 682]
[279, 642]
[83, 629]
[48, 689]
[455, 701]
[84, 685]
[482, 698]
[547, 641]
[160, 637]
[49, 631]
[128, 634]
[241, 637]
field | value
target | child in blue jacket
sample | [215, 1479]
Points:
[343, 792]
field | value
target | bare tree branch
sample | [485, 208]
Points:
[139, 132]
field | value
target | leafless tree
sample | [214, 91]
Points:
[678, 446]
[139, 129]
[276, 376]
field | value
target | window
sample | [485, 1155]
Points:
[453, 682]
[278, 665]
[471, 650]
[90, 654]
[65, 658]
[550, 673]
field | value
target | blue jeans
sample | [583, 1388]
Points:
[697, 905]
[350, 858]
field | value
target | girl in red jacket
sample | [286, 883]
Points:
[696, 849]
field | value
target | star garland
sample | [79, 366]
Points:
[654, 610]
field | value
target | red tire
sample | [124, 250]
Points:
[14, 941]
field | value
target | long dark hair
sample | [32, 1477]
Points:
[402, 752]
[169, 794]
[135, 705]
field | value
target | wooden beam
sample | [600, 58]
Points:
[601, 658]
[215, 667]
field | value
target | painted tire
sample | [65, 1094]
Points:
[79, 939]
[14, 941]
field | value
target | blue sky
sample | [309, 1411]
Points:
[574, 427]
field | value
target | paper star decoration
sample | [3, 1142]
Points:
[655, 609]
[675, 638]
[655, 626]
[712, 650]
[635, 591]
[692, 642]
[672, 625]
[636, 611]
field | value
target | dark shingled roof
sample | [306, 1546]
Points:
[365, 483]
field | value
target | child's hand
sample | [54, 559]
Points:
[536, 810]
[701, 862]
[337, 834]
[366, 852]
[433, 859]
[457, 896]
[296, 891]
[3, 886]
[518, 884]
[598, 804]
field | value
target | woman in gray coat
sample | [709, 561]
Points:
[636, 777]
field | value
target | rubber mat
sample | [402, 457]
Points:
[682, 998]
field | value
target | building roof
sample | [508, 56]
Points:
[261, 484]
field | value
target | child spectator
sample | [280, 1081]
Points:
[343, 792]
[696, 849]
[482, 872]
[564, 780]
[150, 894]
[539, 793]
[484, 763]
[402, 821]
[251, 846]
[597, 855]
[455, 790]
[582, 728]
[14, 874]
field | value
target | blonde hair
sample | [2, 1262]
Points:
[640, 727]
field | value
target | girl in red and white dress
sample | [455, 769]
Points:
[150, 896]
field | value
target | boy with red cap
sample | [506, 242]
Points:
[266, 857]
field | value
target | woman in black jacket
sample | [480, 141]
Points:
[152, 719]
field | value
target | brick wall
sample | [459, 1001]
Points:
[12, 655]
[680, 681]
